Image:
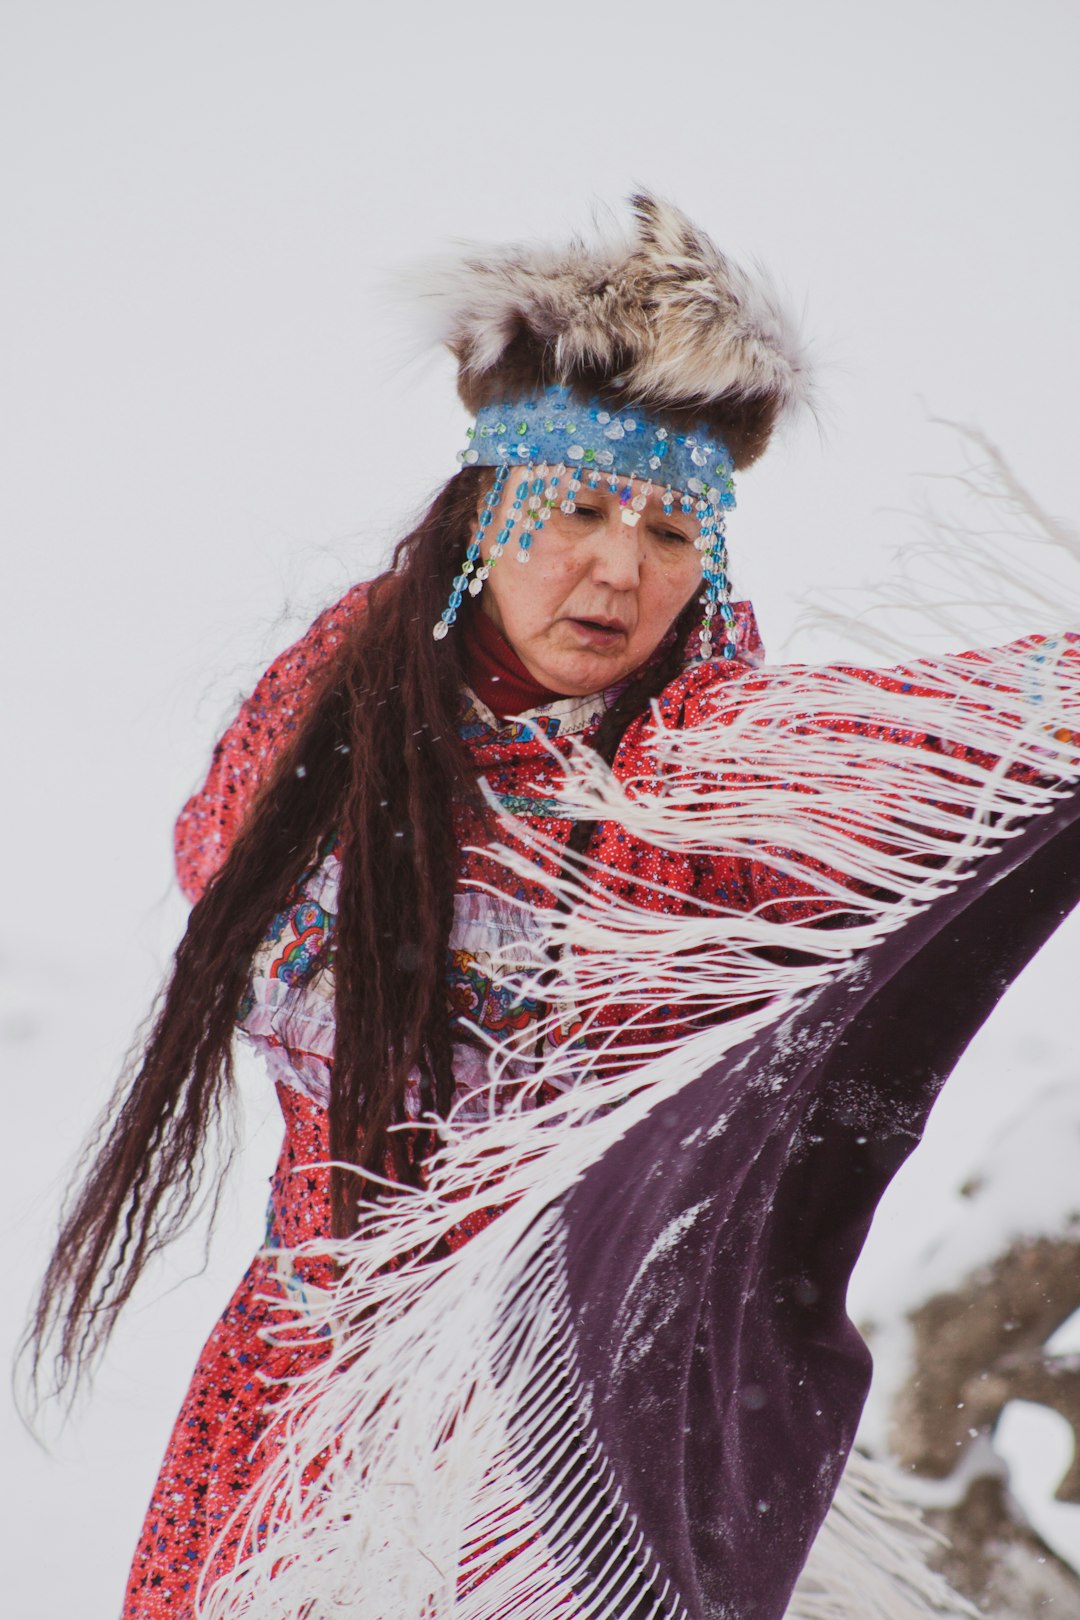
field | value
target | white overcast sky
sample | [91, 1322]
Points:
[212, 419]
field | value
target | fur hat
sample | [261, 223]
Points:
[661, 321]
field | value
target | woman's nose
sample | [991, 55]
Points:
[616, 559]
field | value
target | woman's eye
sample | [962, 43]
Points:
[673, 534]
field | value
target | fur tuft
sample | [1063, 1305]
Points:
[661, 320]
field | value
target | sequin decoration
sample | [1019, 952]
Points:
[554, 435]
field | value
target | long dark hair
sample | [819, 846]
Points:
[378, 761]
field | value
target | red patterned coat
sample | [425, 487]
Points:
[213, 1455]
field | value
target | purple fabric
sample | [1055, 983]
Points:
[709, 1252]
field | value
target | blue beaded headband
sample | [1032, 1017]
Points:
[554, 437]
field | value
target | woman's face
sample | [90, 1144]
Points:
[597, 595]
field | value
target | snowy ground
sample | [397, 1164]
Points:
[210, 428]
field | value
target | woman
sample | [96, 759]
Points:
[457, 958]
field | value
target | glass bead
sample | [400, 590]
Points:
[441, 630]
[523, 556]
[485, 519]
[476, 585]
[549, 427]
[661, 433]
[455, 599]
[449, 615]
[482, 573]
[629, 424]
[459, 582]
[473, 551]
[615, 431]
[589, 455]
[501, 428]
[605, 457]
[695, 486]
[603, 418]
[528, 524]
[568, 507]
[523, 427]
[471, 456]
[522, 490]
[654, 463]
[639, 503]
[468, 568]
[575, 452]
[729, 650]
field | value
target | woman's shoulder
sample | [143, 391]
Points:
[251, 744]
[705, 685]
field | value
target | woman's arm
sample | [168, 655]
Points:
[212, 816]
[1015, 699]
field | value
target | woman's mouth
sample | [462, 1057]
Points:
[598, 632]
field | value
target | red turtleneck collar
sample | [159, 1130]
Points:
[496, 673]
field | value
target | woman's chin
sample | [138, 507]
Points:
[579, 673]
